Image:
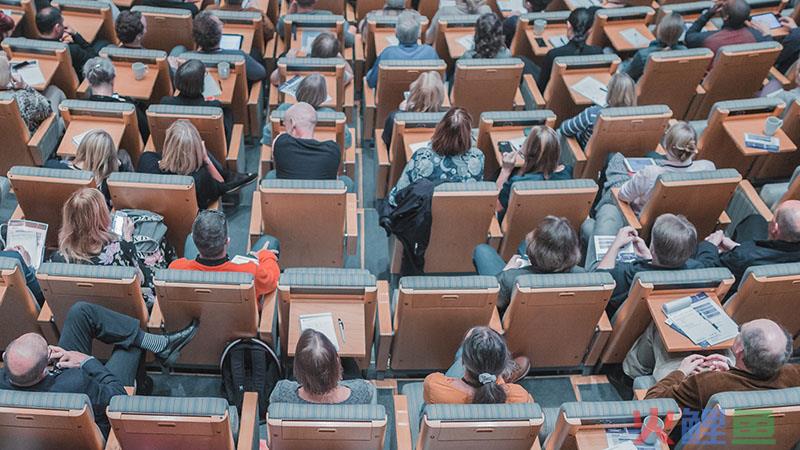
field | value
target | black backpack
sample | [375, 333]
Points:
[249, 365]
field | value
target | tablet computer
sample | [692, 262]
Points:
[231, 41]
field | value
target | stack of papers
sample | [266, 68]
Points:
[701, 319]
[416, 146]
[761, 142]
[211, 87]
[78, 138]
[467, 42]
[636, 38]
[592, 89]
[558, 40]
[322, 322]
[636, 164]
[31, 73]
[29, 235]
[603, 242]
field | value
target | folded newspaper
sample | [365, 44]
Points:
[29, 235]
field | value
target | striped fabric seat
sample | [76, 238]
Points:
[87, 271]
[197, 276]
[327, 277]
[44, 400]
[337, 413]
[432, 283]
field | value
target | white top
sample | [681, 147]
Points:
[639, 188]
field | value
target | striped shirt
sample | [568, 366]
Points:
[581, 126]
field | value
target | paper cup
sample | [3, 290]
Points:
[139, 70]
[224, 70]
[771, 125]
[538, 26]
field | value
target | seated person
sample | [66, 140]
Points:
[184, 153]
[51, 27]
[489, 39]
[668, 33]
[318, 371]
[735, 29]
[510, 23]
[131, 27]
[308, 7]
[325, 45]
[461, 7]
[553, 247]
[97, 154]
[178, 4]
[791, 95]
[34, 108]
[407, 48]
[7, 25]
[207, 34]
[542, 152]
[673, 246]
[297, 155]
[426, 94]
[756, 242]
[238, 5]
[579, 24]
[314, 91]
[391, 8]
[209, 242]
[791, 45]
[621, 92]
[188, 81]
[26, 359]
[680, 143]
[24, 258]
[762, 350]
[449, 157]
[482, 373]
[100, 73]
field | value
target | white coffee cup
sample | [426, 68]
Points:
[224, 70]
[139, 70]
[652, 429]
[538, 27]
[771, 125]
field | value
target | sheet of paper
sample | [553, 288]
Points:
[517, 143]
[78, 138]
[511, 5]
[603, 242]
[32, 74]
[289, 87]
[592, 89]
[29, 235]
[322, 322]
[239, 259]
[725, 327]
[625, 439]
[419, 145]
[467, 42]
[308, 39]
[636, 164]
[558, 40]
[636, 38]
[211, 87]
[693, 325]
[392, 40]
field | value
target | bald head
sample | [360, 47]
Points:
[765, 347]
[785, 225]
[26, 359]
[300, 120]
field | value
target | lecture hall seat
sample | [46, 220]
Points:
[18, 308]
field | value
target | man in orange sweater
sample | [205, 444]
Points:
[210, 237]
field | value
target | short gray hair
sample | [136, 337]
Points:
[210, 233]
[407, 30]
[99, 70]
[762, 360]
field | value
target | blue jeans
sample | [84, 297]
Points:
[488, 262]
[348, 182]
[456, 370]
[190, 249]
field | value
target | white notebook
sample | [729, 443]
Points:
[32, 74]
[322, 322]
[636, 38]
[211, 87]
[592, 89]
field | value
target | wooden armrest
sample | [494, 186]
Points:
[156, 321]
[273, 98]
[358, 53]
[639, 394]
[601, 335]
[237, 144]
[351, 224]
[255, 93]
[518, 104]
[495, 233]
[47, 325]
[385, 330]
[578, 155]
[255, 219]
[38, 136]
[752, 196]
[130, 390]
[248, 422]
[265, 161]
[401, 423]
[495, 323]
[18, 214]
[384, 165]
[530, 83]
[627, 211]
[724, 220]
[150, 146]
[369, 95]
[112, 443]
[779, 77]
[267, 318]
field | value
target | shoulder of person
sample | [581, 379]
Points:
[475, 153]
[516, 394]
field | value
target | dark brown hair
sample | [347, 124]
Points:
[189, 78]
[485, 355]
[553, 247]
[542, 151]
[206, 31]
[453, 135]
[316, 364]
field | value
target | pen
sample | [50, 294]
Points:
[341, 328]
[22, 64]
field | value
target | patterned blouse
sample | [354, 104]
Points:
[426, 163]
[33, 106]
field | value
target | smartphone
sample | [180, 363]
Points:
[118, 222]
[540, 42]
[505, 147]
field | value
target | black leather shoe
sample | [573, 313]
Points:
[238, 180]
[175, 343]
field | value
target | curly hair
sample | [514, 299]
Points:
[206, 31]
[129, 26]
[489, 39]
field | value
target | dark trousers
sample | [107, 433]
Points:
[86, 322]
[752, 228]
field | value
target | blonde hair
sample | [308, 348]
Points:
[84, 225]
[621, 91]
[680, 141]
[98, 155]
[426, 93]
[183, 149]
[5, 71]
[669, 29]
